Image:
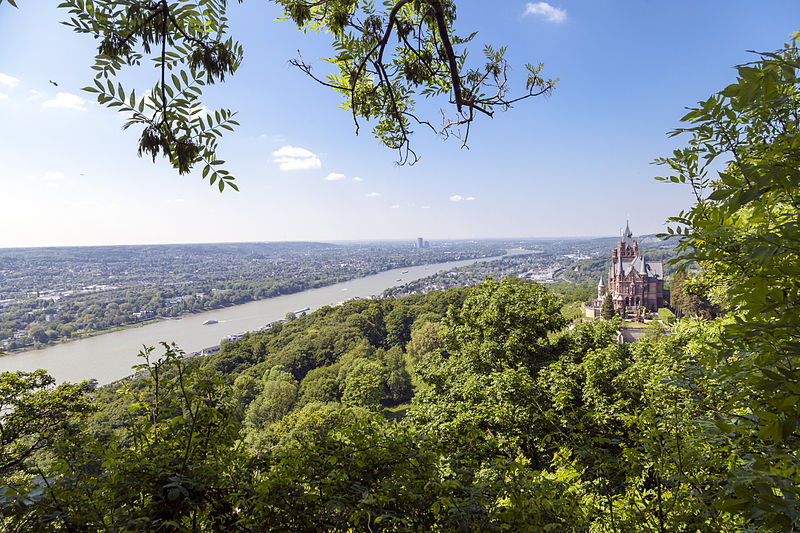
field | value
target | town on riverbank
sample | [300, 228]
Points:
[69, 293]
[52, 295]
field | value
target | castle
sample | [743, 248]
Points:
[633, 282]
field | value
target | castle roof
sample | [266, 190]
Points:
[627, 235]
[601, 282]
[624, 266]
[640, 265]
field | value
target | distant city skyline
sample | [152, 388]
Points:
[571, 165]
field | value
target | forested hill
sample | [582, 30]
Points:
[473, 409]
[317, 352]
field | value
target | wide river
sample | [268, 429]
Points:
[110, 356]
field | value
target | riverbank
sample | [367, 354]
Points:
[110, 356]
[86, 335]
[134, 325]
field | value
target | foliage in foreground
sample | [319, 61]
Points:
[521, 425]
[518, 424]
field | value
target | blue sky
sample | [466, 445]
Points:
[574, 164]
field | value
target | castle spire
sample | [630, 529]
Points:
[627, 237]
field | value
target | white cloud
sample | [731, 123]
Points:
[66, 101]
[334, 176]
[396, 206]
[546, 11]
[50, 176]
[459, 198]
[273, 138]
[356, 178]
[425, 207]
[8, 81]
[35, 95]
[3, 95]
[53, 175]
[373, 194]
[295, 158]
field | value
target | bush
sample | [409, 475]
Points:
[666, 316]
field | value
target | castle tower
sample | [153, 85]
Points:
[601, 289]
[633, 281]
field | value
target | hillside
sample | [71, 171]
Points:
[469, 409]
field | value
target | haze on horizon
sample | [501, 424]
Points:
[576, 164]
[411, 241]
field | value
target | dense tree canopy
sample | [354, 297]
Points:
[385, 57]
[743, 232]
[518, 422]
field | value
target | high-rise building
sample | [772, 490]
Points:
[420, 243]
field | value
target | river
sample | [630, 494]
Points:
[110, 356]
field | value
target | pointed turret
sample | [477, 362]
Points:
[627, 238]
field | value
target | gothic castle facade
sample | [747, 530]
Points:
[633, 282]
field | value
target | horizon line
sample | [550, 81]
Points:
[410, 240]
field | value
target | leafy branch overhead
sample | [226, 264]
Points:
[189, 49]
[386, 57]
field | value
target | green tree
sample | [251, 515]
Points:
[364, 385]
[666, 316]
[503, 324]
[654, 330]
[607, 311]
[37, 333]
[364, 475]
[688, 296]
[481, 396]
[36, 415]
[425, 338]
[398, 380]
[618, 427]
[318, 419]
[741, 164]
[319, 385]
[276, 399]
[246, 388]
[398, 326]
[170, 468]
